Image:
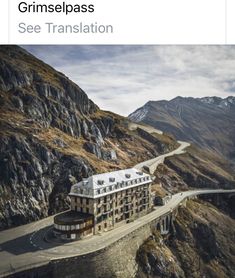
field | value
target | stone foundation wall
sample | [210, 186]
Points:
[115, 261]
[118, 260]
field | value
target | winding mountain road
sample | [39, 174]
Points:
[24, 247]
[152, 164]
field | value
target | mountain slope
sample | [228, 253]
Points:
[202, 245]
[52, 135]
[197, 168]
[208, 122]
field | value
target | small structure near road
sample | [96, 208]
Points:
[103, 201]
[161, 201]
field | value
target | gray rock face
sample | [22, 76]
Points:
[35, 178]
[100, 152]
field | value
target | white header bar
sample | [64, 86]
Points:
[118, 22]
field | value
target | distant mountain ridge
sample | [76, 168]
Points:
[209, 121]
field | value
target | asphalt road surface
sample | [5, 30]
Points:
[150, 129]
[24, 246]
[152, 164]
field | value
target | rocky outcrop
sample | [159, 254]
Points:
[199, 246]
[100, 152]
[51, 136]
[159, 144]
[34, 180]
[195, 169]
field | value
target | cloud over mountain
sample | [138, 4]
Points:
[122, 78]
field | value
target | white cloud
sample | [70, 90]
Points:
[123, 78]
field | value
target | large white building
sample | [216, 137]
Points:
[108, 199]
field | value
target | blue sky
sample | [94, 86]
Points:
[123, 78]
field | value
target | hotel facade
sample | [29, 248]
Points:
[104, 201]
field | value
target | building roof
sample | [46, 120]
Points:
[72, 217]
[106, 183]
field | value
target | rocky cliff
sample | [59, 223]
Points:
[52, 135]
[201, 245]
[196, 168]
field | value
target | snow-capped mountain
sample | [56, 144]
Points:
[209, 121]
[223, 103]
[139, 114]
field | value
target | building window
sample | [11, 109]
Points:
[81, 209]
[98, 210]
[87, 201]
[87, 210]
[75, 208]
[98, 201]
[81, 200]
